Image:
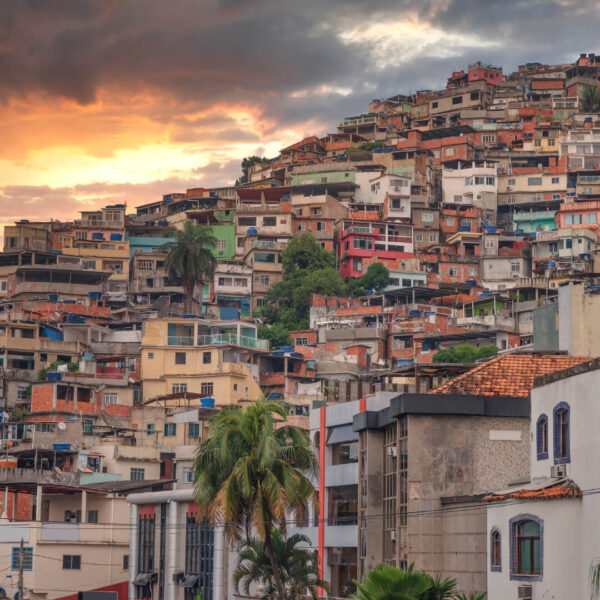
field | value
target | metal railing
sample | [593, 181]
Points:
[180, 340]
[233, 339]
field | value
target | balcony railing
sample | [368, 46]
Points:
[180, 340]
[234, 340]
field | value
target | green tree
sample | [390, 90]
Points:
[190, 257]
[247, 163]
[590, 101]
[307, 269]
[464, 353]
[249, 475]
[471, 596]
[376, 278]
[277, 335]
[385, 582]
[441, 588]
[298, 567]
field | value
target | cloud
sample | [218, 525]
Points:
[109, 91]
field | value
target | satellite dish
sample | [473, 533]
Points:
[61, 426]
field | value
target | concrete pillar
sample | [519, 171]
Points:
[172, 551]
[219, 572]
[133, 535]
[5, 503]
[38, 503]
[75, 388]
[84, 506]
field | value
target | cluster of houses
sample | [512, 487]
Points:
[482, 200]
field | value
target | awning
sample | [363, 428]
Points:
[341, 434]
[190, 581]
[143, 579]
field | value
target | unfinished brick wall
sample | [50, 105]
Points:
[41, 398]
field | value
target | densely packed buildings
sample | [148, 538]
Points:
[481, 199]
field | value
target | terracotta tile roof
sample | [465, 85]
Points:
[560, 489]
[508, 375]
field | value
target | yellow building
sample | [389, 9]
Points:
[212, 359]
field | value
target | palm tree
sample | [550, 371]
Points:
[190, 258]
[298, 567]
[441, 588]
[250, 475]
[471, 596]
[590, 101]
[385, 582]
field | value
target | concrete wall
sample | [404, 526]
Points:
[545, 328]
[578, 320]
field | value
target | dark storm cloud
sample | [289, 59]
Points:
[201, 54]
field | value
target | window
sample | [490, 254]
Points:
[170, 429]
[207, 388]
[264, 257]
[490, 181]
[450, 220]
[247, 221]
[179, 388]
[534, 181]
[434, 105]
[206, 358]
[536, 198]
[555, 196]
[457, 100]
[591, 218]
[474, 95]
[515, 267]
[357, 264]
[465, 222]
[71, 561]
[556, 180]
[433, 237]
[525, 547]
[240, 282]
[110, 397]
[150, 428]
[362, 244]
[479, 180]
[569, 243]
[575, 219]
[269, 221]
[541, 432]
[321, 225]
[180, 358]
[260, 302]
[561, 434]
[449, 151]
[453, 272]
[551, 142]
[489, 139]
[537, 143]
[418, 237]
[22, 393]
[495, 551]
[457, 198]
[72, 516]
[187, 474]
[427, 217]
[264, 280]
[221, 245]
[150, 355]
[301, 341]
[511, 200]
[145, 265]
[16, 558]
[194, 430]
[125, 562]
[512, 182]
[136, 474]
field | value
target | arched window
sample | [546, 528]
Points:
[542, 437]
[495, 551]
[526, 548]
[561, 434]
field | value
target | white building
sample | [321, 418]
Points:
[544, 535]
[471, 184]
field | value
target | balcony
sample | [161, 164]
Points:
[180, 340]
[233, 340]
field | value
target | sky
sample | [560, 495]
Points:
[106, 101]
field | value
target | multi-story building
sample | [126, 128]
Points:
[425, 460]
[263, 255]
[541, 531]
[27, 235]
[470, 183]
[233, 288]
[215, 360]
[362, 243]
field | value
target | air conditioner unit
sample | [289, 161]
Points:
[558, 471]
[525, 592]
[392, 451]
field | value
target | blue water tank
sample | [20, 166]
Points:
[97, 236]
[207, 402]
[54, 376]
[252, 231]
[116, 237]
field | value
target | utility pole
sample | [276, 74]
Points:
[20, 584]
